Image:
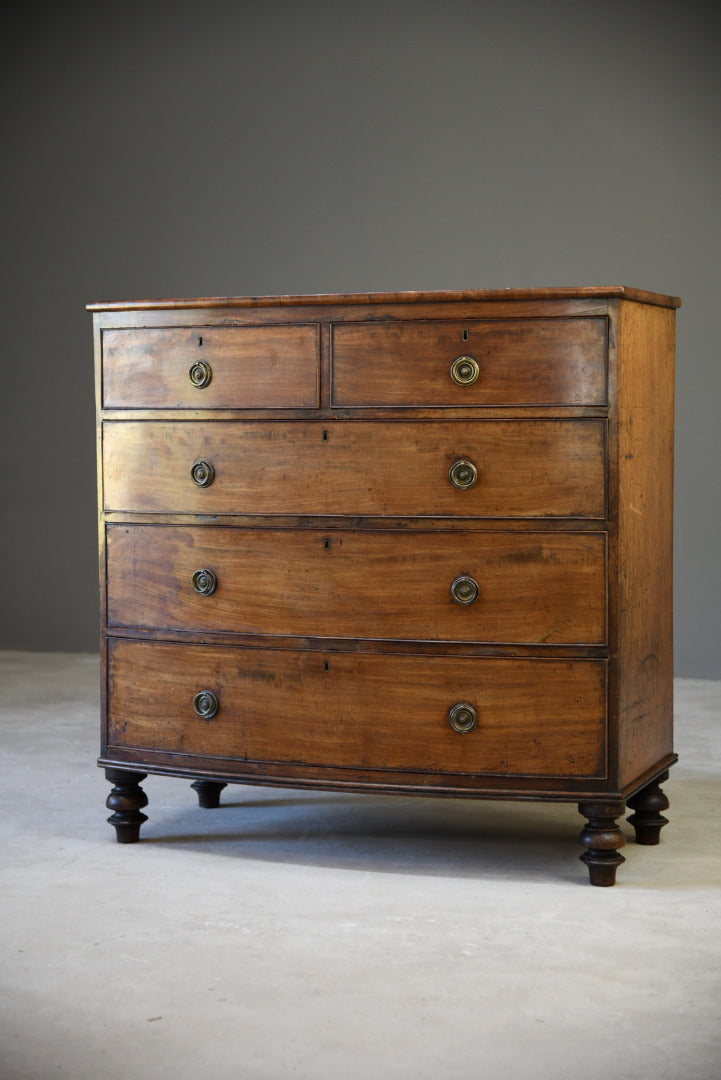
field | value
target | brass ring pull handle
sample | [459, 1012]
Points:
[463, 474]
[464, 590]
[200, 374]
[202, 473]
[465, 370]
[205, 704]
[204, 582]
[462, 717]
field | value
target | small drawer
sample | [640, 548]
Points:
[534, 588]
[211, 367]
[509, 362]
[430, 714]
[490, 468]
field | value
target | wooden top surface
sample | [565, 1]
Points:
[593, 292]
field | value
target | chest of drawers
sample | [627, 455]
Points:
[413, 542]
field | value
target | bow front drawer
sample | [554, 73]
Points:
[492, 468]
[514, 362]
[538, 588]
[210, 367]
[429, 714]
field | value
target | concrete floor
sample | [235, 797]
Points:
[314, 936]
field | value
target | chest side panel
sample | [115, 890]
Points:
[645, 536]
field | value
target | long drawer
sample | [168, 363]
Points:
[471, 362]
[537, 588]
[210, 367]
[491, 468]
[359, 711]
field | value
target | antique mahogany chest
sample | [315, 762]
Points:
[409, 542]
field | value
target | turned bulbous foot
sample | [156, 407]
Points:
[602, 838]
[208, 793]
[126, 800]
[648, 819]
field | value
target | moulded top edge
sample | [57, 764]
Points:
[566, 293]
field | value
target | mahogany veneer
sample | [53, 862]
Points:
[409, 542]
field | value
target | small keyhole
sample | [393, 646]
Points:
[464, 335]
[326, 542]
[325, 435]
[200, 341]
[326, 665]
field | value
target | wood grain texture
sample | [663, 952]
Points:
[533, 587]
[361, 712]
[588, 292]
[322, 311]
[535, 468]
[252, 367]
[541, 361]
[645, 405]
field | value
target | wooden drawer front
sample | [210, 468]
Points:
[251, 367]
[520, 362]
[360, 711]
[525, 468]
[532, 588]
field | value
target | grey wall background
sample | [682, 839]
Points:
[183, 149]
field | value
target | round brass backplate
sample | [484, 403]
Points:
[204, 582]
[465, 370]
[464, 590]
[200, 374]
[462, 717]
[205, 704]
[463, 474]
[202, 473]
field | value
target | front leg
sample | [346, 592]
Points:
[602, 838]
[648, 804]
[126, 801]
